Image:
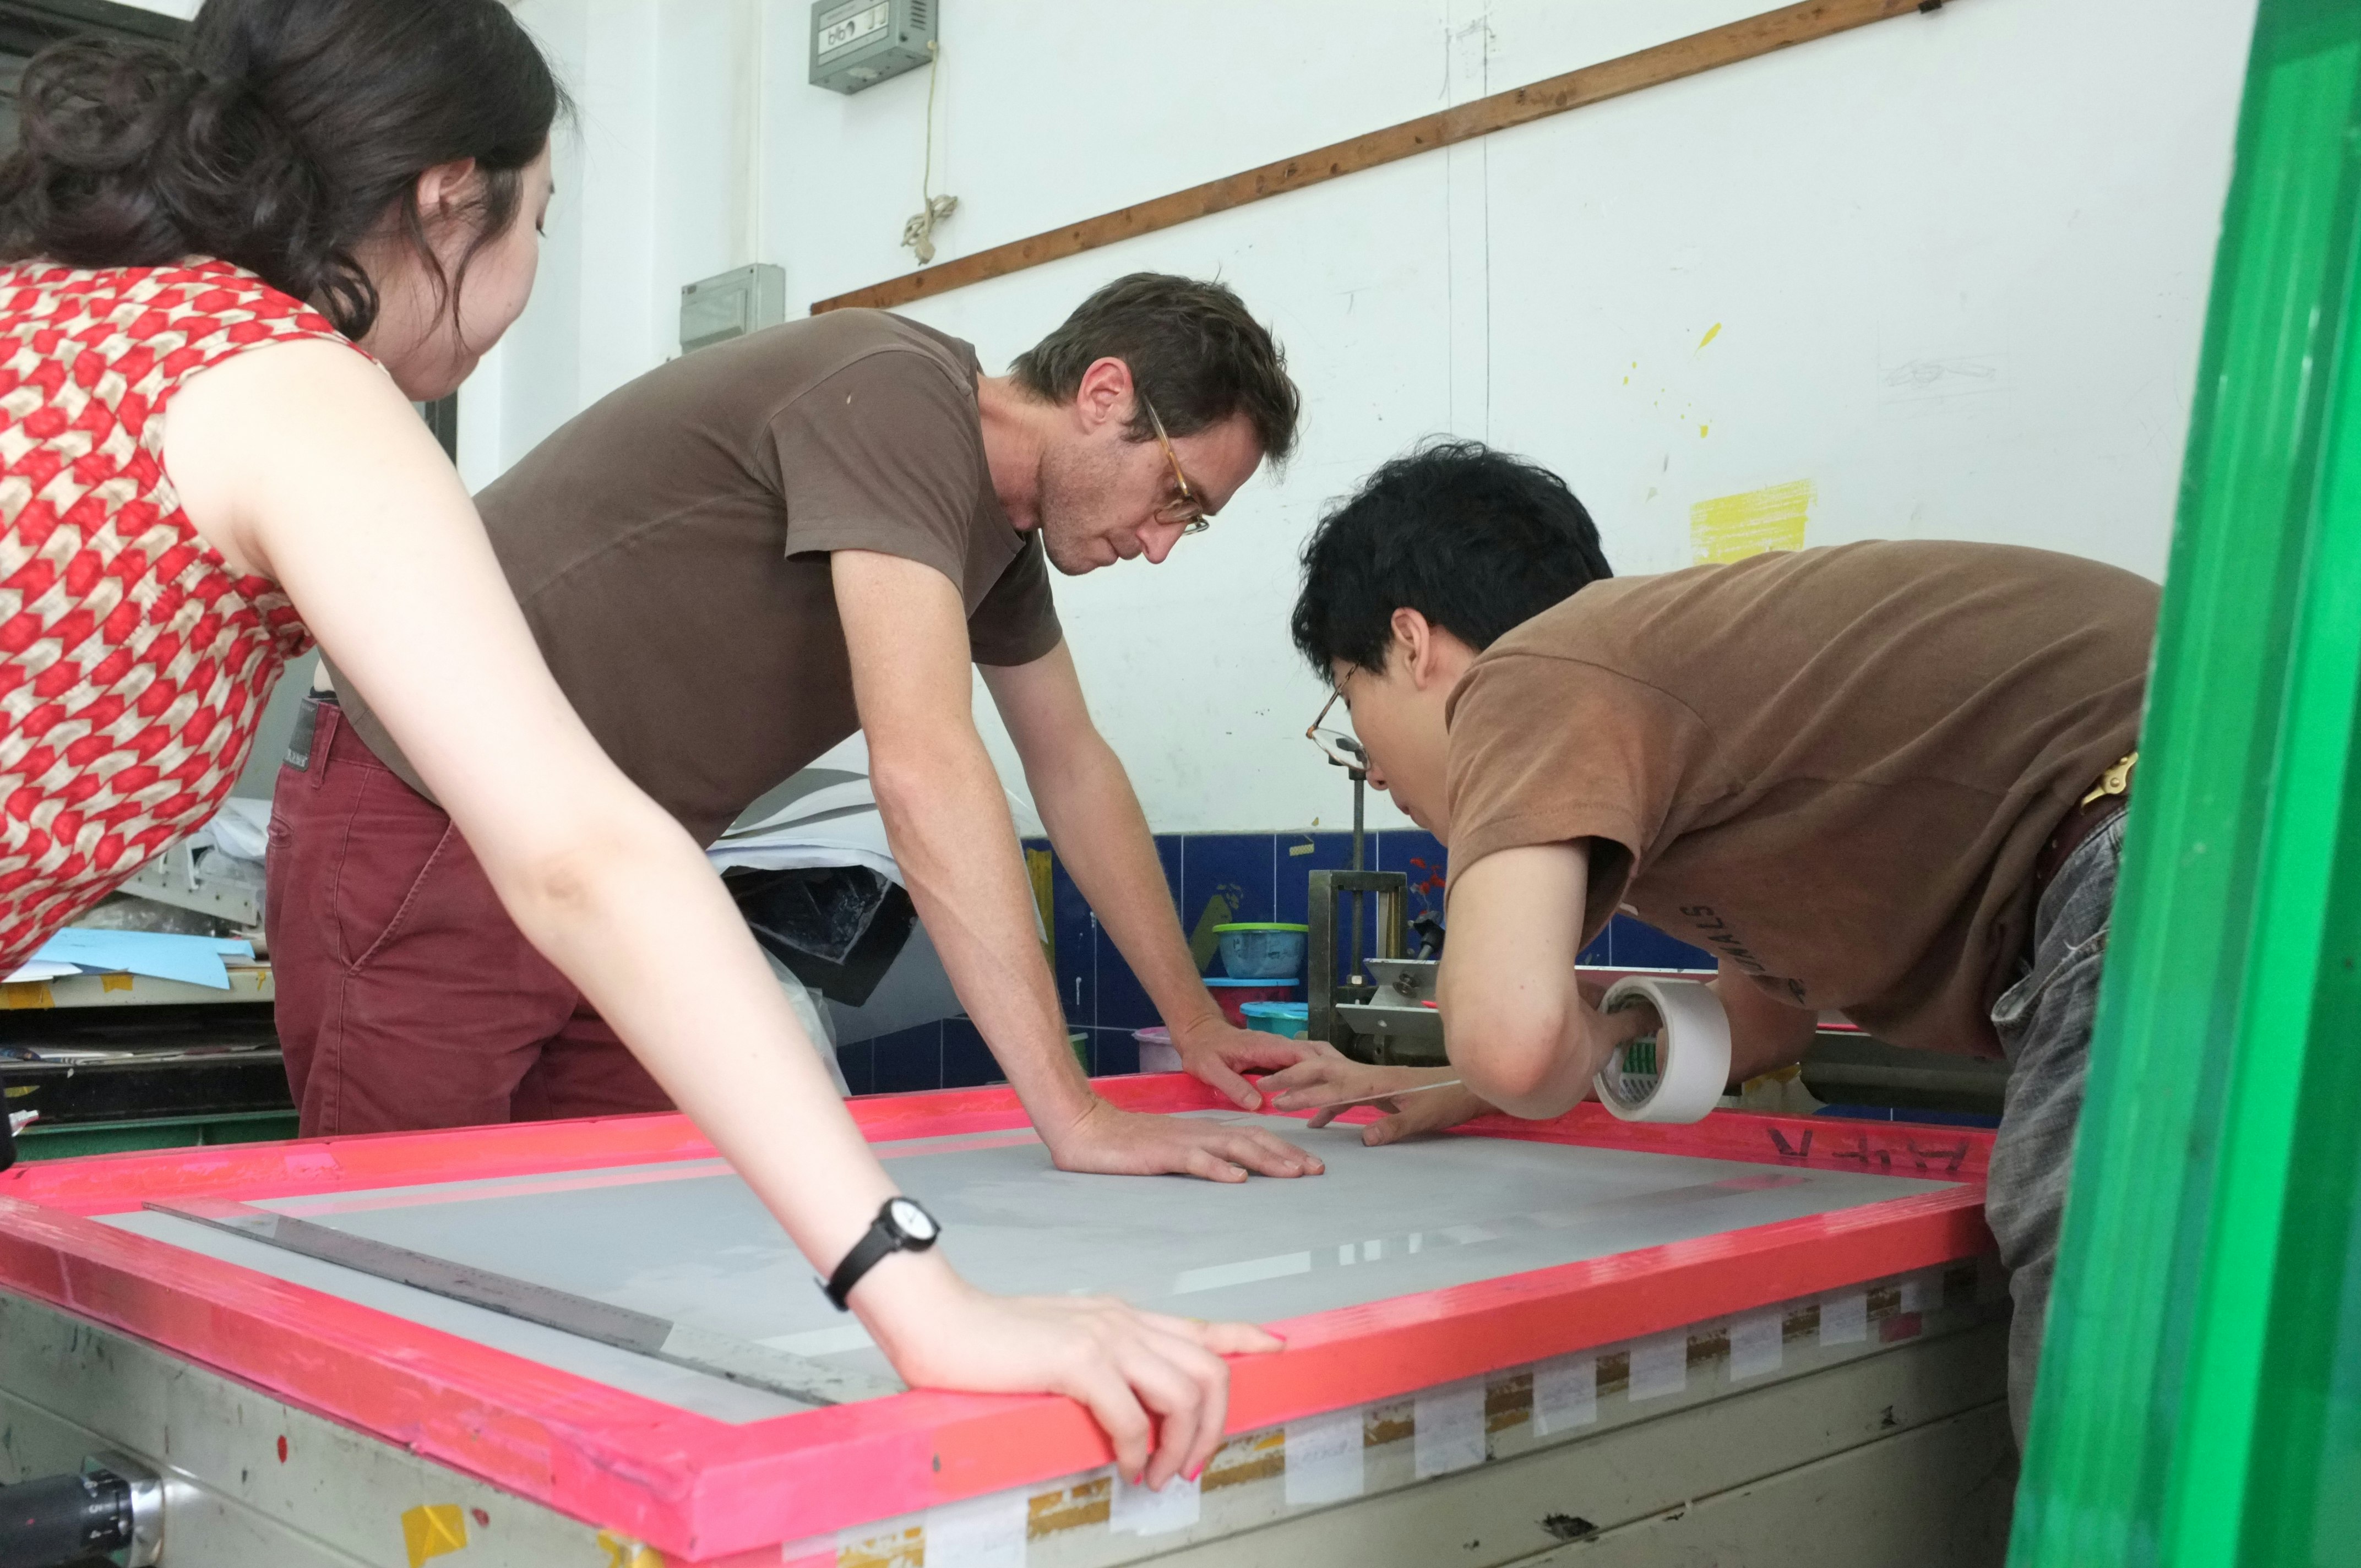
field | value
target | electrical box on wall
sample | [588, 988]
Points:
[731, 304]
[859, 43]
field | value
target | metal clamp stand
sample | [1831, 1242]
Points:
[1322, 991]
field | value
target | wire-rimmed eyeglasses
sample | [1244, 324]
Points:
[1339, 748]
[1184, 509]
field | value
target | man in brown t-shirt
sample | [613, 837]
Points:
[731, 565]
[1882, 780]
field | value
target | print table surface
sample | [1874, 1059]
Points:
[1400, 1269]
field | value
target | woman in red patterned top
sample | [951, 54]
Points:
[199, 474]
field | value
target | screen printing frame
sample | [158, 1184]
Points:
[702, 1487]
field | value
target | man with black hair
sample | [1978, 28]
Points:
[729, 564]
[1883, 779]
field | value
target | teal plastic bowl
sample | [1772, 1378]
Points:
[1286, 1019]
[1262, 949]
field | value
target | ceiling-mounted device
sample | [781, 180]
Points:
[731, 304]
[859, 43]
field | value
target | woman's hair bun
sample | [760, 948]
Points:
[284, 134]
[92, 115]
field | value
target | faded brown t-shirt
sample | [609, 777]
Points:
[1834, 768]
[669, 545]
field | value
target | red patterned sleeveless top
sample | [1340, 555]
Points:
[134, 664]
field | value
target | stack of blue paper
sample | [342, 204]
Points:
[79, 949]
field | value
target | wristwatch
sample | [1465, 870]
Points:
[900, 1226]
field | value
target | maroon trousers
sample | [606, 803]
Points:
[407, 998]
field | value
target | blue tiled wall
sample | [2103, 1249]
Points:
[1263, 876]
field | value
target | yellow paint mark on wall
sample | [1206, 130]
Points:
[1710, 333]
[434, 1530]
[1038, 864]
[114, 982]
[1732, 528]
[897, 1549]
[1204, 938]
[1701, 430]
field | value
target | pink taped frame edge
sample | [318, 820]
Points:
[698, 1489]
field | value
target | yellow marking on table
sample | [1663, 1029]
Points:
[1068, 1508]
[433, 1529]
[1508, 1402]
[626, 1553]
[896, 1549]
[114, 982]
[27, 993]
[1257, 1457]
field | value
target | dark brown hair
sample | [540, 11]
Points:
[282, 135]
[1192, 350]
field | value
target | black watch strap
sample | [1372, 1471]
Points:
[886, 1236]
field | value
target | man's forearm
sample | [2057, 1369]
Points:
[949, 826]
[1094, 820]
[1546, 1085]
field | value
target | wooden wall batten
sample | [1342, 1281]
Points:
[1745, 39]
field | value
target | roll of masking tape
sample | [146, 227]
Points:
[1678, 1073]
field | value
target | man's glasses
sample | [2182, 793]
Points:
[1184, 509]
[1335, 744]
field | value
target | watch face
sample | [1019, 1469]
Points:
[914, 1221]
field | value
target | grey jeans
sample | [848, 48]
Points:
[2045, 1023]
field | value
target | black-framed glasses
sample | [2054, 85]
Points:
[1184, 509]
[1339, 748]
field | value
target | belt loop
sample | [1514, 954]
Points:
[313, 739]
[324, 739]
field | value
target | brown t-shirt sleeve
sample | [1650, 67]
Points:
[883, 454]
[1548, 751]
[1017, 622]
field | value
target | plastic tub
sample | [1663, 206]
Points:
[1157, 1051]
[1262, 949]
[1289, 1020]
[1233, 995]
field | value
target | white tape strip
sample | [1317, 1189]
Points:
[982, 1532]
[1136, 1510]
[1755, 1341]
[1450, 1429]
[1678, 1074]
[1660, 1366]
[1844, 1317]
[1324, 1458]
[1566, 1392]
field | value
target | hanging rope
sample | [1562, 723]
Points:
[918, 233]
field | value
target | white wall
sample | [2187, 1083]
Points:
[1952, 266]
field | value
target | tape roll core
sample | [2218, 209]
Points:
[1677, 1074]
